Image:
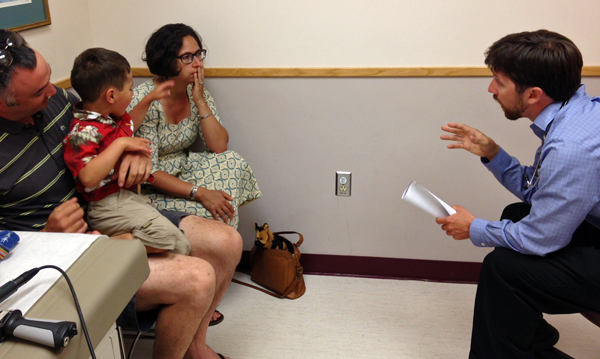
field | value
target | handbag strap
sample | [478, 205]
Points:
[273, 294]
[292, 232]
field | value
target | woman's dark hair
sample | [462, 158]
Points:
[542, 58]
[97, 69]
[163, 47]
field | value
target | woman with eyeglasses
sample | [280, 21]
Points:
[211, 184]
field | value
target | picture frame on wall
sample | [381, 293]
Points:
[19, 15]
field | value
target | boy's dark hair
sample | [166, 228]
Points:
[163, 47]
[542, 58]
[96, 69]
[23, 57]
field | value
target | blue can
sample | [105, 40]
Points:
[8, 240]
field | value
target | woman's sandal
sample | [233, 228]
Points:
[218, 320]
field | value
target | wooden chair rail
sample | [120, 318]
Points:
[239, 72]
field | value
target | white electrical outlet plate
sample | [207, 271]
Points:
[343, 183]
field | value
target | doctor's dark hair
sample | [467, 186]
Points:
[163, 48]
[542, 58]
[23, 57]
[97, 69]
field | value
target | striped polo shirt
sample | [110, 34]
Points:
[33, 176]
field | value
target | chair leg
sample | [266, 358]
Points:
[137, 337]
[121, 342]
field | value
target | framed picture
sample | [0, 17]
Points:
[18, 15]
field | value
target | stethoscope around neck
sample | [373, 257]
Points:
[535, 177]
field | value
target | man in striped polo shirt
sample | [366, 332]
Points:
[38, 193]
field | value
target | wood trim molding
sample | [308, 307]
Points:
[340, 72]
[588, 71]
[65, 84]
[354, 72]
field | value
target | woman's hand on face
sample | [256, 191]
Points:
[217, 203]
[198, 88]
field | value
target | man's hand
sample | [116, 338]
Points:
[135, 144]
[217, 203]
[135, 168]
[457, 225]
[66, 218]
[470, 139]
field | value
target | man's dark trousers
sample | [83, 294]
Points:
[515, 289]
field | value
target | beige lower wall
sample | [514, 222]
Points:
[296, 132]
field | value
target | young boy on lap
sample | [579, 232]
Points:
[100, 133]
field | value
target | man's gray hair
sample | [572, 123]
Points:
[23, 57]
[9, 98]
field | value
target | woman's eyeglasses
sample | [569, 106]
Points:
[189, 58]
[15, 41]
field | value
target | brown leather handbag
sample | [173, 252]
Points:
[278, 269]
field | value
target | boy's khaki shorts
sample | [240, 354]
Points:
[128, 212]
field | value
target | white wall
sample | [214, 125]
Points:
[344, 33]
[296, 133]
[69, 34]
[314, 33]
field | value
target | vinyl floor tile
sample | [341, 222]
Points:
[352, 318]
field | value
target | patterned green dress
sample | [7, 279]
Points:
[227, 171]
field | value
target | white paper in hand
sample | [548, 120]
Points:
[420, 197]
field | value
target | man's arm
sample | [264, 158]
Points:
[135, 168]
[216, 136]
[566, 192]
[100, 166]
[470, 139]
[215, 201]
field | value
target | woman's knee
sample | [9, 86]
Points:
[232, 241]
[211, 238]
[228, 245]
[177, 278]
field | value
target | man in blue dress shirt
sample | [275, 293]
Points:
[547, 249]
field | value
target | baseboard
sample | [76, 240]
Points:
[377, 267]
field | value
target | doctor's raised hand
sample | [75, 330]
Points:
[470, 139]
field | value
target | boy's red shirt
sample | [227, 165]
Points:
[90, 134]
